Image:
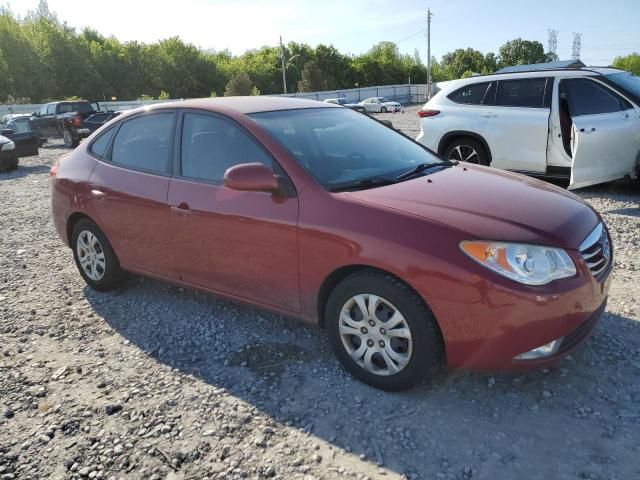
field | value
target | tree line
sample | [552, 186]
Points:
[43, 58]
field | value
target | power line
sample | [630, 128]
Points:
[424, 30]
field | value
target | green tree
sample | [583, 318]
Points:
[521, 52]
[456, 63]
[238, 85]
[630, 63]
[312, 80]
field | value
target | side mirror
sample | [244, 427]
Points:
[251, 177]
[35, 114]
[7, 131]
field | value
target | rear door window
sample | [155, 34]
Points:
[587, 97]
[470, 94]
[211, 145]
[144, 143]
[528, 92]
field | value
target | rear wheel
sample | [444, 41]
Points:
[382, 332]
[95, 259]
[70, 141]
[467, 149]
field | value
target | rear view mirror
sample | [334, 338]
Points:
[251, 177]
[7, 131]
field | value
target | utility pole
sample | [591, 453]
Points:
[284, 70]
[429, 14]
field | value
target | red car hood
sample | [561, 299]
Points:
[492, 205]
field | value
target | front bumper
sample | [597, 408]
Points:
[493, 322]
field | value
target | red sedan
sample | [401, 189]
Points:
[319, 212]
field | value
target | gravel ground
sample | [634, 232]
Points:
[155, 381]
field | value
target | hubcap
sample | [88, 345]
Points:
[384, 349]
[91, 255]
[464, 153]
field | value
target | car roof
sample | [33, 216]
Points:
[558, 72]
[253, 104]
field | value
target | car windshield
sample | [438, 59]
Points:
[626, 80]
[75, 107]
[384, 99]
[340, 147]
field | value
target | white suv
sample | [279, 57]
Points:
[579, 124]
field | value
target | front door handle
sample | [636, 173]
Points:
[488, 115]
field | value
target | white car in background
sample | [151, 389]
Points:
[582, 125]
[380, 105]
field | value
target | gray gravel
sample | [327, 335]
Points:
[155, 381]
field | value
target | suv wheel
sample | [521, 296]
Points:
[467, 149]
[382, 332]
[95, 259]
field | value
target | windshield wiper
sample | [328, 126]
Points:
[421, 168]
[363, 184]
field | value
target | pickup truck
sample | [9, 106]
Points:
[63, 120]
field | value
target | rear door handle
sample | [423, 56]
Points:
[588, 130]
[488, 115]
[182, 209]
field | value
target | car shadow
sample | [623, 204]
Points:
[287, 370]
[629, 211]
[23, 171]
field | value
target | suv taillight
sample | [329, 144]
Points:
[428, 113]
[77, 121]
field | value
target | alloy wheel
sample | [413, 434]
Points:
[375, 334]
[91, 255]
[464, 153]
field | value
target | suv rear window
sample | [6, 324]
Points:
[528, 92]
[470, 94]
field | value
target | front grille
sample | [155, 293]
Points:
[596, 250]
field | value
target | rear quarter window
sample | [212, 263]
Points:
[100, 145]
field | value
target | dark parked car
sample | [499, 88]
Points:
[319, 212]
[97, 120]
[64, 120]
[17, 139]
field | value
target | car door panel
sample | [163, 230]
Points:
[132, 208]
[603, 147]
[240, 243]
[516, 134]
[605, 139]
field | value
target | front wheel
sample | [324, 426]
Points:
[95, 258]
[383, 110]
[382, 332]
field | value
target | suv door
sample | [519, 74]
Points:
[240, 243]
[514, 121]
[605, 139]
[129, 189]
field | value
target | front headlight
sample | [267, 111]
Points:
[8, 146]
[527, 264]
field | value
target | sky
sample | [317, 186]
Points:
[608, 29]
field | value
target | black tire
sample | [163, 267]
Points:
[383, 110]
[466, 145]
[70, 140]
[427, 344]
[113, 276]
